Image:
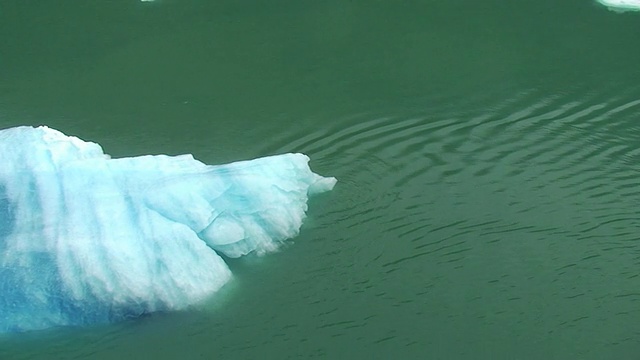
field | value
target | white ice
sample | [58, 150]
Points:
[622, 5]
[88, 239]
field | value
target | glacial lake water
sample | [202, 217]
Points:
[487, 153]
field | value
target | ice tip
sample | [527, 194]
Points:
[322, 184]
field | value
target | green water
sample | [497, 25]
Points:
[487, 155]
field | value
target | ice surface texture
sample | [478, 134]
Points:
[622, 5]
[88, 239]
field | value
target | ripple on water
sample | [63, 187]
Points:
[486, 210]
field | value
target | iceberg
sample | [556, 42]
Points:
[87, 239]
[621, 5]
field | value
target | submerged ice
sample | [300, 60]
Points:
[88, 239]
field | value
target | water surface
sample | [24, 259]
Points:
[487, 156]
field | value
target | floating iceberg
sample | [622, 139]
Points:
[87, 239]
[621, 5]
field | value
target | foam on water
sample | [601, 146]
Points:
[88, 239]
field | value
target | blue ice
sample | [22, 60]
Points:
[86, 239]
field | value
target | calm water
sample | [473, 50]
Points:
[487, 154]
